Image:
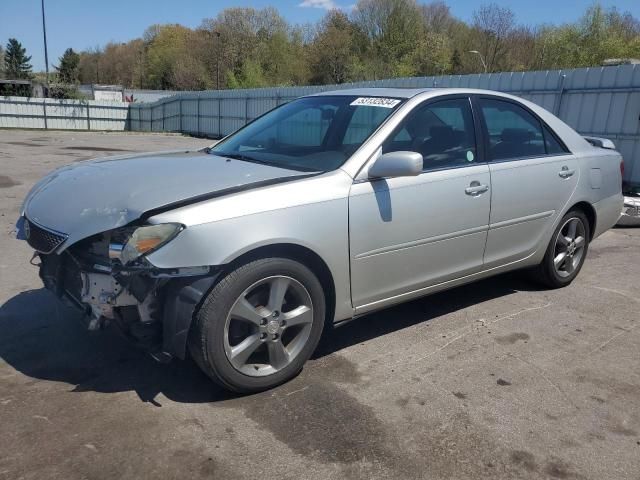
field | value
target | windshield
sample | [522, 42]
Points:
[315, 134]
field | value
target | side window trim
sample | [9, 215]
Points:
[481, 147]
[547, 130]
[475, 102]
[481, 158]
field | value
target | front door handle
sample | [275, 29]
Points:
[475, 188]
[565, 172]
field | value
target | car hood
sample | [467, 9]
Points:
[91, 197]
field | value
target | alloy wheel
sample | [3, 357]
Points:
[268, 325]
[569, 247]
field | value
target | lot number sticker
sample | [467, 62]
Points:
[376, 102]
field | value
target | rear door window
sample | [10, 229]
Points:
[513, 131]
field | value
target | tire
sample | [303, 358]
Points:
[241, 316]
[557, 276]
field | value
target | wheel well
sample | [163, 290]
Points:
[301, 254]
[590, 212]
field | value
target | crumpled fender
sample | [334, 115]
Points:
[182, 300]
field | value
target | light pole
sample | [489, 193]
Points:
[484, 64]
[46, 56]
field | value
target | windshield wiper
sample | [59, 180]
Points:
[247, 158]
[241, 156]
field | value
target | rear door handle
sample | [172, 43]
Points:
[565, 172]
[476, 188]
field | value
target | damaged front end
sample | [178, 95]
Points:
[108, 277]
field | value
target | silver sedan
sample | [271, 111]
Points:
[322, 210]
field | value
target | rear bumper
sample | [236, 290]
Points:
[607, 213]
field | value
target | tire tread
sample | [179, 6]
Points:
[202, 323]
[543, 273]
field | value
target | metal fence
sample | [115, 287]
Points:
[138, 95]
[603, 102]
[148, 95]
[23, 112]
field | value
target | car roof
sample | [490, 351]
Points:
[414, 96]
[409, 92]
[376, 92]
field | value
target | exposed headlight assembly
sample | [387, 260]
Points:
[145, 240]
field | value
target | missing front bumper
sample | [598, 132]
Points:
[630, 216]
[152, 307]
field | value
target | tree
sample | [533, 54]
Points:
[332, 54]
[245, 36]
[394, 29]
[68, 68]
[492, 25]
[456, 62]
[16, 61]
[170, 44]
[437, 16]
[598, 35]
[520, 54]
[281, 58]
[249, 47]
[189, 74]
[249, 75]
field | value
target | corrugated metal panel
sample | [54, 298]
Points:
[601, 101]
[22, 112]
[148, 95]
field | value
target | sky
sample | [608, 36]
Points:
[82, 24]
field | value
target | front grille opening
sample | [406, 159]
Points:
[41, 239]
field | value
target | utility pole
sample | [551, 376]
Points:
[141, 65]
[46, 55]
[217, 34]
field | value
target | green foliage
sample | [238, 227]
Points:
[68, 67]
[334, 52]
[493, 27]
[597, 36]
[16, 61]
[249, 47]
[249, 75]
[64, 91]
[169, 45]
[456, 62]
[396, 33]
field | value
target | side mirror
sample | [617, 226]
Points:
[397, 164]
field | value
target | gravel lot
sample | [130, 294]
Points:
[497, 379]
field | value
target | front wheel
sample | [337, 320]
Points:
[259, 325]
[566, 252]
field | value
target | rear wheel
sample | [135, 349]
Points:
[259, 325]
[566, 252]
